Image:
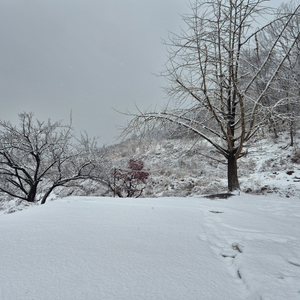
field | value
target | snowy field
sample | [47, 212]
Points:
[244, 247]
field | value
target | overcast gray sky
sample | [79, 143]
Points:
[84, 56]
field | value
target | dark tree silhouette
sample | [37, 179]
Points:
[36, 157]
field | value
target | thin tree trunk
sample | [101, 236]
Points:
[292, 133]
[46, 195]
[233, 182]
[273, 125]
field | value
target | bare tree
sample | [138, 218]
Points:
[288, 80]
[36, 157]
[212, 91]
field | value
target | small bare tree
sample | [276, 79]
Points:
[212, 90]
[36, 157]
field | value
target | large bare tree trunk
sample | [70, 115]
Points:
[32, 193]
[232, 175]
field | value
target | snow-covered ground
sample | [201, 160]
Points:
[243, 247]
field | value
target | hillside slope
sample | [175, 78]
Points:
[183, 167]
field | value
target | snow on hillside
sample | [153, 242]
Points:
[182, 167]
[243, 247]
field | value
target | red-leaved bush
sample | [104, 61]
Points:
[130, 181]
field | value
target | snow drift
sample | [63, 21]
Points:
[243, 247]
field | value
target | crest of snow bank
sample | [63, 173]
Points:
[243, 247]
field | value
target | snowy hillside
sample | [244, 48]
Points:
[243, 247]
[183, 167]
